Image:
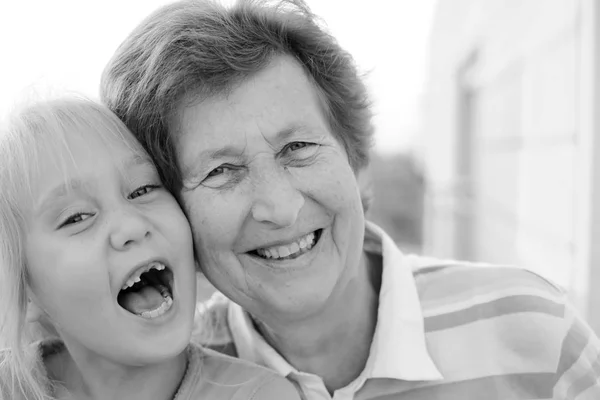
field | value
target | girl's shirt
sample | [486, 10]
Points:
[211, 375]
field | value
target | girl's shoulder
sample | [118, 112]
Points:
[214, 375]
[33, 354]
[13, 382]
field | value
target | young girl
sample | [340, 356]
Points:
[91, 244]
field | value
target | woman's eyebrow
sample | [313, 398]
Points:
[291, 130]
[204, 157]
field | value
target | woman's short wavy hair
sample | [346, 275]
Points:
[196, 49]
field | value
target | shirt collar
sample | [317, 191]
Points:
[251, 346]
[398, 350]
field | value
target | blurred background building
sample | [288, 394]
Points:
[486, 133]
[510, 140]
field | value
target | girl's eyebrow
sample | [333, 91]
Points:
[77, 185]
[137, 159]
[60, 191]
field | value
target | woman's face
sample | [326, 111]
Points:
[100, 219]
[273, 202]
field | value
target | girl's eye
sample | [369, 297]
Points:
[142, 191]
[75, 219]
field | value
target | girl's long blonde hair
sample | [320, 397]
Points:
[37, 128]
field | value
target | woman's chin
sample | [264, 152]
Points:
[298, 303]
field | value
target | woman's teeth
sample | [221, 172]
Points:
[163, 308]
[291, 250]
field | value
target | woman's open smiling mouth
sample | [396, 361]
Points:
[290, 250]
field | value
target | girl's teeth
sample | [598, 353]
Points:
[134, 280]
[131, 282]
[163, 308]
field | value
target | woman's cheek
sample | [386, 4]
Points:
[217, 222]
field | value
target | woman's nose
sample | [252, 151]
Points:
[276, 200]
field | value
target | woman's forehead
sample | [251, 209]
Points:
[274, 102]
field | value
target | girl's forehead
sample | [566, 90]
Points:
[83, 138]
[77, 153]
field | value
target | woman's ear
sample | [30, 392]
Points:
[365, 184]
[34, 311]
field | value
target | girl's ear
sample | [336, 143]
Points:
[34, 312]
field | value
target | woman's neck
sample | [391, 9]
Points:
[83, 375]
[321, 344]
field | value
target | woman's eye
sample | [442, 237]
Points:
[75, 219]
[218, 171]
[142, 191]
[223, 175]
[297, 146]
[296, 152]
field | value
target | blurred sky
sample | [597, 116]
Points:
[64, 44]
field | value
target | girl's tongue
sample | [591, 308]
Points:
[148, 298]
[147, 295]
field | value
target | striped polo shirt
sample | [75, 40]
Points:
[447, 330]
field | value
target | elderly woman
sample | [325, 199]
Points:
[259, 123]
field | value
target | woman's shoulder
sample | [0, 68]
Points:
[211, 327]
[444, 284]
[215, 375]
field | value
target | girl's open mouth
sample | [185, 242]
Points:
[148, 293]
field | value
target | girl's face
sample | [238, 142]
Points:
[109, 252]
